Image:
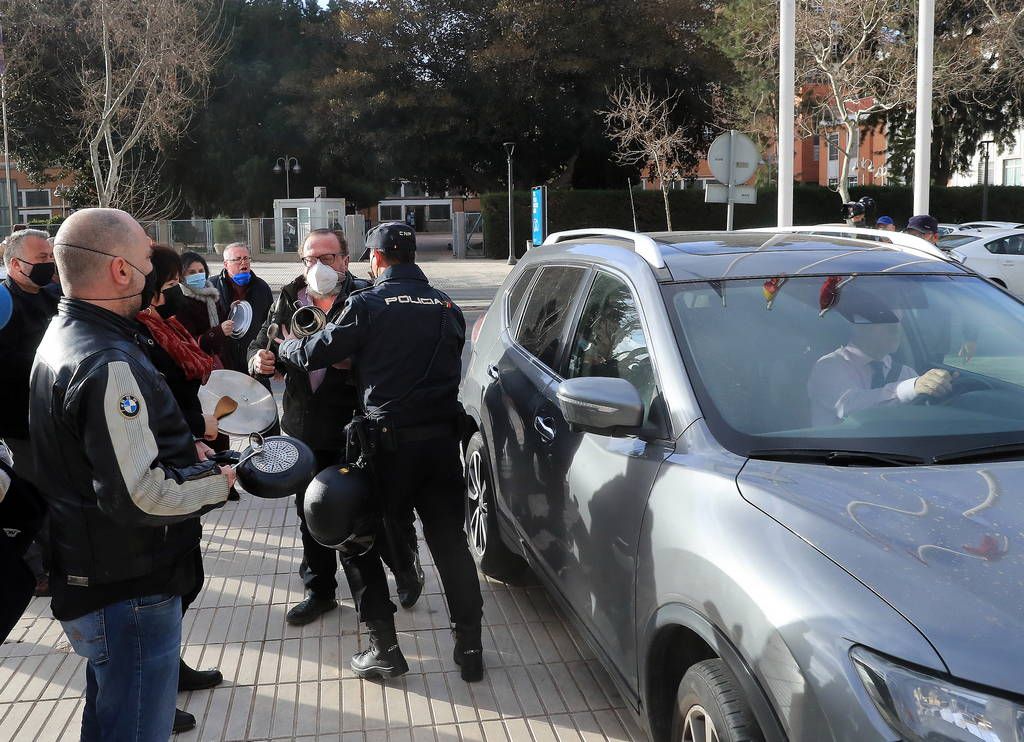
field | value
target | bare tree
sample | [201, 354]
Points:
[147, 68]
[857, 61]
[640, 124]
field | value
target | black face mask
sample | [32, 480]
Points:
[41, 273]
[149, 289]
[173, 299]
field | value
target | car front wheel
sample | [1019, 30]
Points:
[710, 707]
[493, 557]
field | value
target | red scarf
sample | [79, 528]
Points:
[170, 335]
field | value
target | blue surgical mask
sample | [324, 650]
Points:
[196, 281]
[242, 279]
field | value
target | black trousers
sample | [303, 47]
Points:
[425, 476]
[320, 563]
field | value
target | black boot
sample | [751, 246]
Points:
[310, 610]
[189, 679]
[183, 721]
[469, 652]
[383, 658]
[410, 584]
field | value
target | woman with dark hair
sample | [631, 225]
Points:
[185, 366]
[200, 313]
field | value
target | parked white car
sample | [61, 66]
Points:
[997, 254]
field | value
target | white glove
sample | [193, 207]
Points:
[935, 383]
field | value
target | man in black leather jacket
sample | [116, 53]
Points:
[316, 407]
[28, 258]
[405, 339]
[123, 479]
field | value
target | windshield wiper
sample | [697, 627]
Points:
[985, 453]
[836, 458]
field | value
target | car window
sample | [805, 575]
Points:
[518, 290]
[1014, 245]
[996, 247]
[812, 362]
[610, 340]
[547, 310]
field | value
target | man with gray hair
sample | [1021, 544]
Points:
[237, 282]
[125, 480]
[28, 258]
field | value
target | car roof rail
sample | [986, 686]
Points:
[643, 245]
[901, 241]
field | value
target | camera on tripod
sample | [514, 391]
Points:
[853, 209]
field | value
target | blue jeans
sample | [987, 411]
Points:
[132, 648]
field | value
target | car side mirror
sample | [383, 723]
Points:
[601, 405]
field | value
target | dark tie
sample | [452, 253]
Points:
[877, 374]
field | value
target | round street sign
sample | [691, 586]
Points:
[744, 155]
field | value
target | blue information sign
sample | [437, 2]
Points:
[539, 203]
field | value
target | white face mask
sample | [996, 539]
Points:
[322, 279]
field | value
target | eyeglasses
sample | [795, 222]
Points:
[237, 261]
[328, 259]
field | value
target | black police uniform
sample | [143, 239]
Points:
[406, 339]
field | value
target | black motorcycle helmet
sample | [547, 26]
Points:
[340, 510]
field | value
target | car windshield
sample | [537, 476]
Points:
[956, 240]
[922, 366]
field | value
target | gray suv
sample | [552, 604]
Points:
[774, 479]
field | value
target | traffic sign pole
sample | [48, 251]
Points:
[731, 206]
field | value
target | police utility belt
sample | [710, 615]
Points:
[365, 437]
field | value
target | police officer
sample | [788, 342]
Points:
[405, 340]
[317, 405]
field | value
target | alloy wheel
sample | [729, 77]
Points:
[698, 726]
[476, 490]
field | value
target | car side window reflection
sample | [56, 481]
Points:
[516, 294]
[610, 340]
[546, 312]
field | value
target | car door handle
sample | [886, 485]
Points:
[546, 427]
[1009, 263]
[492, 371]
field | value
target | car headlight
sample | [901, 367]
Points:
[922, 707]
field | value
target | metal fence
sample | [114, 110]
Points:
[265, 236]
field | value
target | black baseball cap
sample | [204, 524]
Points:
[923, 223]
[391, 237]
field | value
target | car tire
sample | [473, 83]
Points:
[709, 696]
[491, 554]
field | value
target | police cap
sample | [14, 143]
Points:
[391, 237]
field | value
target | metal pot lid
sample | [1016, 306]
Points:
[241, 315]
[257, 409]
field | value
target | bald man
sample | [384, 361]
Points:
[123, 478]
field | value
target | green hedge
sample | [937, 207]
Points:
[568, 209]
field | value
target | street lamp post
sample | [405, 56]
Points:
[923, 115]
[784, 152]
[285, 165]
[984, 182]
[510, 147]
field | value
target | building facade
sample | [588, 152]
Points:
[33, 200]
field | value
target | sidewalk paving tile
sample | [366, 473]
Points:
[291, 683]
